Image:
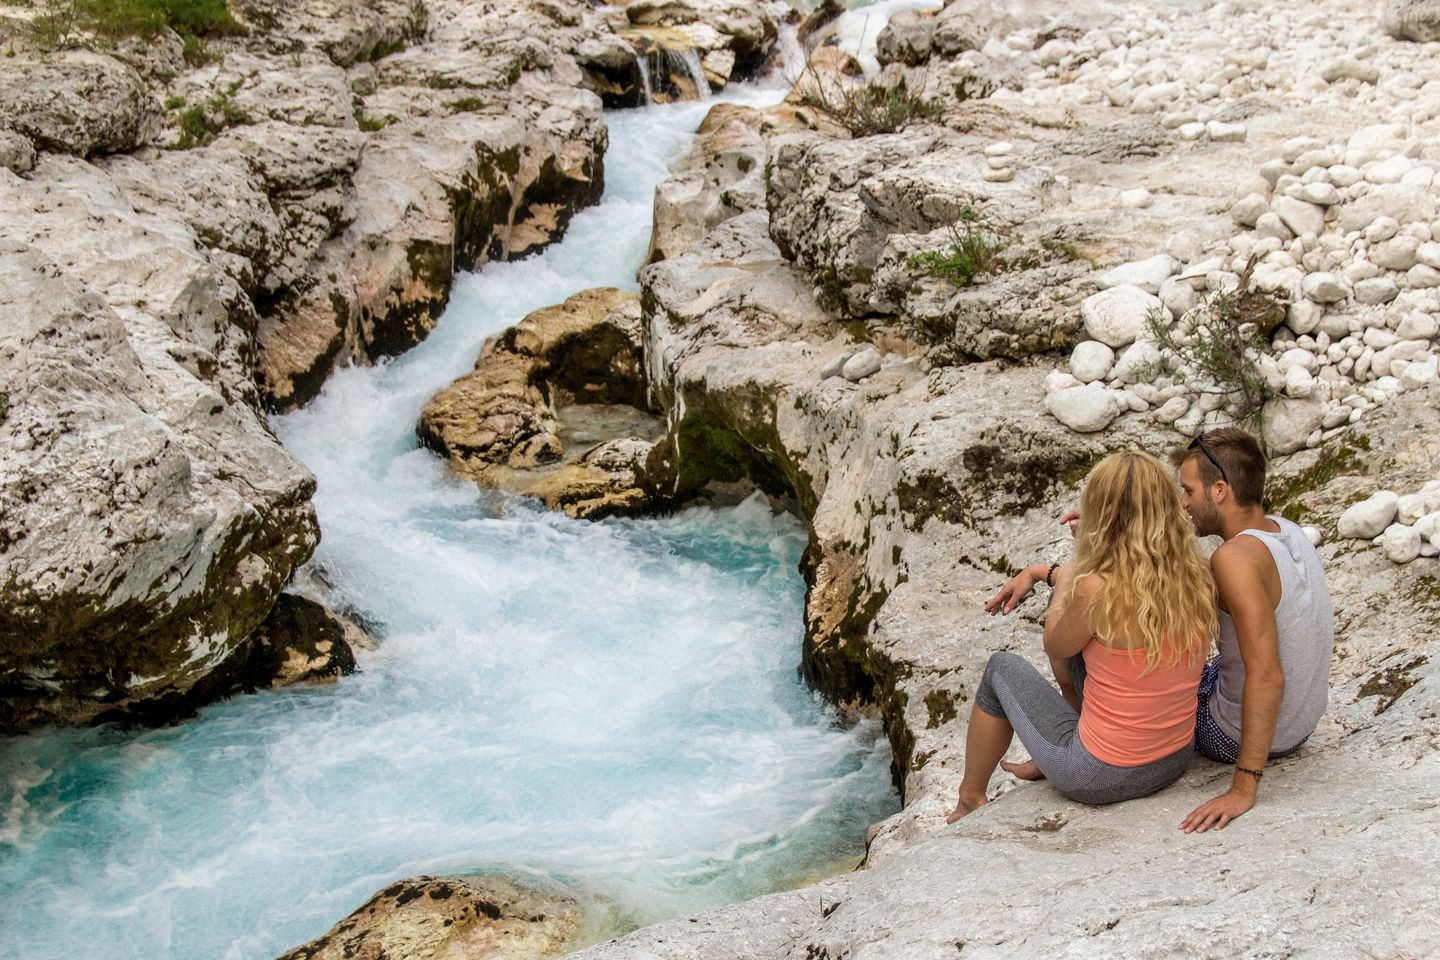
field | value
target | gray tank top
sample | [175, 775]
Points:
[1306, 624]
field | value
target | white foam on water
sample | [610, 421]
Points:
[613, 705]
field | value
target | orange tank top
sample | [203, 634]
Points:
[1127, 719]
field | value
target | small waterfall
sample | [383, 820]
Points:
[642, 61]
[691, 61]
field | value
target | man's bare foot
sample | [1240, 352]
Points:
[968, 804]
[1024, 770]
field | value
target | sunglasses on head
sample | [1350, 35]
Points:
[1199, 444]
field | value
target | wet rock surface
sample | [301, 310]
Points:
[452, 918]
[556, 408]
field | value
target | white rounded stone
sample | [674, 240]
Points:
[1146, 274]
[862, 365]
[1288, 422]
[1370, 517]
[1421, 277]
[998, 176]
[1376, 290]
[1084, 409]
[1402, 543]
[1117, 317]
[1324, 194]
[1410, 508]
[1390, 170]
[1225, 132]
[1269, 224]
[1139, 363]
[1091, 360]
[1001, 148]
[1248, 209]
[1381, 228]
[1323, 288]
[1418, 375]
[1139, 198]
[1172, 410]
[1397, 253]
[1303, 316]
[1428, 524]
[1059, 380]
[1301, 217]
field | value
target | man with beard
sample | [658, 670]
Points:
[1264, 693]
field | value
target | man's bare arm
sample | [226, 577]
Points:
[1241, 576]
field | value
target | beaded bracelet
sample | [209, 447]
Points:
[1050, 576]
[1254, 773]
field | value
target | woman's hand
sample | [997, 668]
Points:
[1016, 589]
[1071, 520]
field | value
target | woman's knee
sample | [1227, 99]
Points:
[986, 697]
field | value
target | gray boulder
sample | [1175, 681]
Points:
[78, 101]
[150, 517]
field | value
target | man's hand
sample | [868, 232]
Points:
[1219, 811]
[1016, 589]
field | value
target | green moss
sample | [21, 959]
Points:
[1390, 684]
[4, 405]
[466, 105]
[941, 707]
[1286, 496]
[384, 49]
[174, 103]
[69, 22]
[370, 124]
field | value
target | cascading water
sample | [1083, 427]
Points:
[612, 704]
[690, 63]
[643, 63]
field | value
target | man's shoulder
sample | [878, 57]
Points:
[1241, 551]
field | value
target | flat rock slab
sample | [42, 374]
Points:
[451, 918]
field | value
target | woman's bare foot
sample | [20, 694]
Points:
[1024, 770]
[968, 804]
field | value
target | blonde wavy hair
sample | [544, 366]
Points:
[1154, 589]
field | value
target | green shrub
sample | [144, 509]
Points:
[1218, 345]
[870, 109]
[972, 251]
[200, 122]
[66, 22]
[368, 123]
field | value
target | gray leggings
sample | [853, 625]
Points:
[1012, 689]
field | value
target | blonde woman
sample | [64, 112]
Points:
[1133, 616]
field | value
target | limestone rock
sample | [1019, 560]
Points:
[1402, 543]
[1147, 274]
[77, 101]
[544, 394]
[150, 517]
[1369, 518]
[17, 153]
[1117, 317]
[1301, 217]
[1084, 409]
[488, 917]
[1288, 422]
[1091, 360]
[906, 39]
[1412, 20]
[750, 29]
[862, 365]
[1324, 288]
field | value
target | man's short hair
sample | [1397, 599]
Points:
[1239, 453]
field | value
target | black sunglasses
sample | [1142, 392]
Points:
[1199, 443]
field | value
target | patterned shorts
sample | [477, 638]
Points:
[1210, 740]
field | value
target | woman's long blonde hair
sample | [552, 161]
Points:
[1154, 590]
